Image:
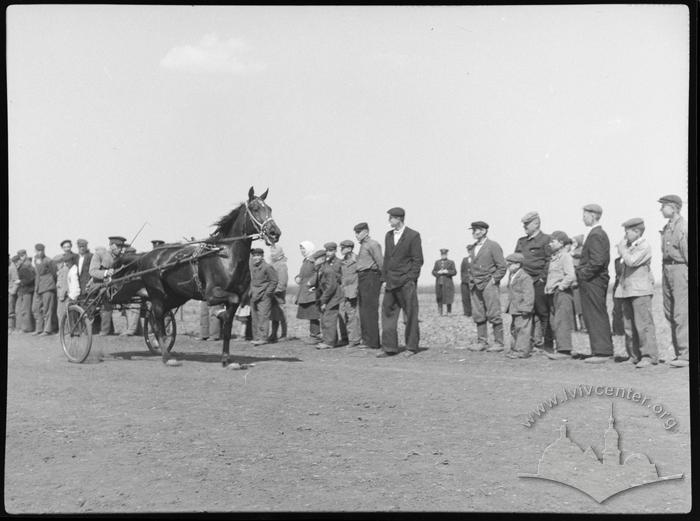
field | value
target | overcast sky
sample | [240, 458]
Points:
[120, 115]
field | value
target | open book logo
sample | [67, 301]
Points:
[565, 462]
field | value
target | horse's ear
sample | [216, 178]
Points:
[251, 194]
[264, 195]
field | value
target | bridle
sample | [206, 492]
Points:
[260, 226]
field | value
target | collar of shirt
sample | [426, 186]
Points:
[533, 235]
[398, 233]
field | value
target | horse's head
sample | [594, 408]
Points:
[260, 218]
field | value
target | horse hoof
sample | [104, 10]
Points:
[173, 363]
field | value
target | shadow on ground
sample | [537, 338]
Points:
[210, 358]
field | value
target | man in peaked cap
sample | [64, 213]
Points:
[349, 321]
[369, 284]
[635, 291]
[593, 278]
[44, 302]
[443, 271]
[263, 282]
[403, 259]
[535, 248]
[157, 243]
[100, 270]
[674, 281]
[487, 269]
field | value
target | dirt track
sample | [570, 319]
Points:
[319, 430]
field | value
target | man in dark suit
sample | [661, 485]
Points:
[464, 286]
[403, 259]
[593, 278]
[443, 271]
[487, 269]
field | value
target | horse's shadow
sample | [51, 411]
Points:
[209, 358]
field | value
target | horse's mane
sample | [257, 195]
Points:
[223, 225]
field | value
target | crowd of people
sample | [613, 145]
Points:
[555, 285]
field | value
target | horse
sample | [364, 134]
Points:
[215, 270]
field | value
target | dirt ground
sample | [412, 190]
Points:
[310, 430]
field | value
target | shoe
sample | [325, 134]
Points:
[679, 363]
[384, 354]
[645, 362]
[43, 334]
[215, 338]
[311, 340]
[323, 346]
[202, 338]
[596, 359]
[557, 355]
[478, 347]
[620, 359]
[343, 343]
[36, 333]
[271, 340]
[517, 354]
[409, 353]
[259, 342]
[495, 349]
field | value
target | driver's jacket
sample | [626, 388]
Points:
[101, 261]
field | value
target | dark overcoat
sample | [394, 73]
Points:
[444, 287]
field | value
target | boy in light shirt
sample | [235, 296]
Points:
[561, 277]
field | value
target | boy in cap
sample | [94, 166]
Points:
[576, 247]
[403, 259]
[636, 289]
[488, 267]
[44, 306]
[279, 263]
[443, 271]
[330, 296]
[593, 278]
[369, 285]
[521, 302]
[674, 251]
[263, 282]
[558, 288]
[535, 249]
[349, 317]
[25, 292]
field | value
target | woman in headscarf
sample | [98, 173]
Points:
[307, 299]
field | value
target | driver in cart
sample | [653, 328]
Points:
[101, 270]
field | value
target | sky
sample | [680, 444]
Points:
[166, 115]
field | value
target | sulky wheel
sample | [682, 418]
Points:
[170, 331]
[75, 331]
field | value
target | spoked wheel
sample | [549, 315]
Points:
[149, 334]
[75, 331]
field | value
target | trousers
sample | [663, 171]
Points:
[368, 288]
[640, 332]
[595, 314]
[520, 327]
[395, 300]
[674, 285]
[486, 306]
[329, 325]
[349, 321]
[562, 318]
[260, 313]
[466, 299]
[44, 309]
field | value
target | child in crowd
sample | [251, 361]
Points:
[560, 279]
[521, 302]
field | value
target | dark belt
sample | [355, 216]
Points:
[672, 262]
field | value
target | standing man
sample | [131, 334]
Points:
[44, 306]
[84, 258]
[62, 283]
[25, 292]
[593, 278]
[101, 269]
[535, 248]
[330, 292]
[67, 247]
[279, 319]
[263, 282]
[369, 284]
[674, 282]
[403, 259]
[349, 317]
[13, 285]
[464, 286]
[487, 269]
[443, 271]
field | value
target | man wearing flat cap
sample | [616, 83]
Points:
[635, 290]
[100, 270]
[263, 282]
[534, 247]
[349, 317]
[593, 278]
[369, 284]
[331, 295]
[403, 259]
[674, 282]
[67, 247]
[443, 271]
[487, 269]
[44, 302]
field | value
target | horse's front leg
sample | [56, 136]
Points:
[226, 329]
[158, 314]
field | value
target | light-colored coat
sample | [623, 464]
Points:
[636, 278]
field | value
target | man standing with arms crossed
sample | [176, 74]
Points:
[369, 284]
[674, 282]
[403, 259]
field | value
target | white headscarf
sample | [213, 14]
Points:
[309, 247]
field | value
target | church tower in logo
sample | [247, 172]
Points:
[611, 451]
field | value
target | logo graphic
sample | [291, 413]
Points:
[565, 462]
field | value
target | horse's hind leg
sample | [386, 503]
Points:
[158, 310]
[228, 323]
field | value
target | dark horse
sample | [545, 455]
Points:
[215, 270]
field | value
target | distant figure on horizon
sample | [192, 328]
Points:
[443, 271]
